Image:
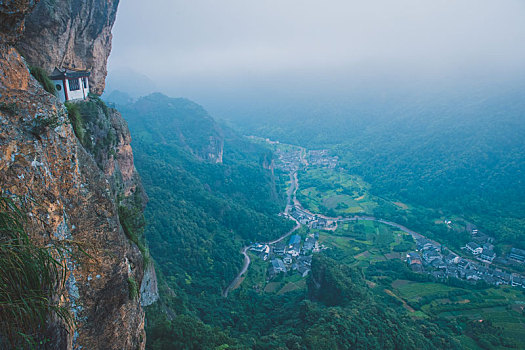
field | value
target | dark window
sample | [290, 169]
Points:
[84, 82]
[58, 87]
[73, 84]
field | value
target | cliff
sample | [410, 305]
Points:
[77, 183]
[70, 33]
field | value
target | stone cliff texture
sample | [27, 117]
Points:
[12, 18]
[70, 34]
[149, 292]
[74, 193]
[215, 149]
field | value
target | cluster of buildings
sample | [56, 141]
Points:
[292, 256]
[481, 247]
[289, 160]
[311, 220]
[432, 259]
[321, 158]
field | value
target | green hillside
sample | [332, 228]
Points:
[201, 212]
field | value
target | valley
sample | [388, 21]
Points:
[379, 206]
[453, 285]
[252, 236]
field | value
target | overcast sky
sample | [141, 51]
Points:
[193, 46]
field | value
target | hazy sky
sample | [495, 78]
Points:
[195, 47]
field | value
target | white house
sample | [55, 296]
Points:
[474, 248]
[71, 84]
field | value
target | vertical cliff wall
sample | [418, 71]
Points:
[70, 33]
[84, 196]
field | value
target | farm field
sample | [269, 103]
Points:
[380, 251]
[365, 242]
[334, 192]
[286, 284]
[503, 306]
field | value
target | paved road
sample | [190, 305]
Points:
[292, 201]
[291, 198]
[238, 279]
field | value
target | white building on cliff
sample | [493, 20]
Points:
[71, 84]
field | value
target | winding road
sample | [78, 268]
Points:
[238, 279]
[291, 202]
[291, 194]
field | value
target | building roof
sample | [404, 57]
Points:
[297, 246]
[279, 246]
[278, 264]
[488, 252]
[305, 259]
[58, 74]
[473, 245]
[295, 239]
[516, 251]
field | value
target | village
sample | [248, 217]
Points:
[289, 256]
[440, 262]
[477, 263]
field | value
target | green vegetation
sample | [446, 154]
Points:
[132, 221]
[200, 214]
[334, 192]
[364, 242]
[73, 112]
[488, 336]
[99, 103]
[30, 276]
[442, 154]
[42, 77]
[92, 124]
[454, 301]
[133, 288]
[184, 332]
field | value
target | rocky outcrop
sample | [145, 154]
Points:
[12, 19]
[83, 195]
[70, 34]
[69, 199]
[149, 292]
[106, 136]
[214, 150]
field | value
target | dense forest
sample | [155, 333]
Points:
[201, 212]
[458, 154]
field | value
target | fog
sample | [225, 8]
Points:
[235, 55]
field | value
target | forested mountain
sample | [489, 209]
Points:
[459, 153]
[201, 211]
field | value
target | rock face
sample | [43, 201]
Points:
[72, 34]
[215, 149]
[149, 292]
[12, 17]
[84, 196]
